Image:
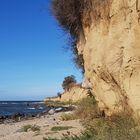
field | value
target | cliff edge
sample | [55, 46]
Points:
[75, 93]
[112, 56]
[108, 38]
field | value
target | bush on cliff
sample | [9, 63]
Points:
[59, 95]
[78, 59]
[69, 14]
[68, 82]
[75, 15]
[72, 15]
[120, 126]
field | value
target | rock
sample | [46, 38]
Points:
[16, 117]
[7, 121]
[59, 109]
[44, 112]
[51, 111]
[38, 115]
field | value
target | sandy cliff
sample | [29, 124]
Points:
[107, 34]
[75, 94]
[111, 51]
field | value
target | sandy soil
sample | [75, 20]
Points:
[12, 131]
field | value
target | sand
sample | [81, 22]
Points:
[13, 131]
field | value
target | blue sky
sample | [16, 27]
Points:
[33, 61]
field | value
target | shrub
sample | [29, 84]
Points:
[84, 136]
[119, 127]
[78, 59]
[74, 15]
[33, 128]
[69, 14]
[122, 128]
[68, 82]
[50, 103]
[59, 95]
[69, 116]
[61, 128]
[87, 107]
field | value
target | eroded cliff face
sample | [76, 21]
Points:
[76, 93]
[111, 51]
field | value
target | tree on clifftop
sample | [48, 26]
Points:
[59, 95]
[68, 82]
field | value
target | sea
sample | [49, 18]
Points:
[8, 108]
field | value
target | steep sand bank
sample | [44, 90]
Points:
[107, 35]
[75, 94]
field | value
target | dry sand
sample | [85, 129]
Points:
[11, 131]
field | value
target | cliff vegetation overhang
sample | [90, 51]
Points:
[75, 15]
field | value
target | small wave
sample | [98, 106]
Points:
[14, 103]
[39, 102]
[32, 108]
[4, 103]
[41, 108]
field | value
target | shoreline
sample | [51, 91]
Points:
[18, 117]
[13, 131]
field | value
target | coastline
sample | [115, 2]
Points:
[18, 117]
[45, 122]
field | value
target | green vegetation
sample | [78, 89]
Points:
[78, 60]
[87, 107]
[120, 126]
[68, 116]
[61, 128]
[75, 15]
[59, 95]
[84, 136]
[57, 103]
[68, 82]
[33, 128]
[69, 14]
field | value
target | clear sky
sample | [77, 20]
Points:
[33, 61]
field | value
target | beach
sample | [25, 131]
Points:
[13, 131]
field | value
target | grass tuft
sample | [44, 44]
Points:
[121, 126]
[33, 128]
[68, 116]
[61, 128]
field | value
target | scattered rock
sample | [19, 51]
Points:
[51, 111]
[59, 109]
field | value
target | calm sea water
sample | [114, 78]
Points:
[26, 107]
